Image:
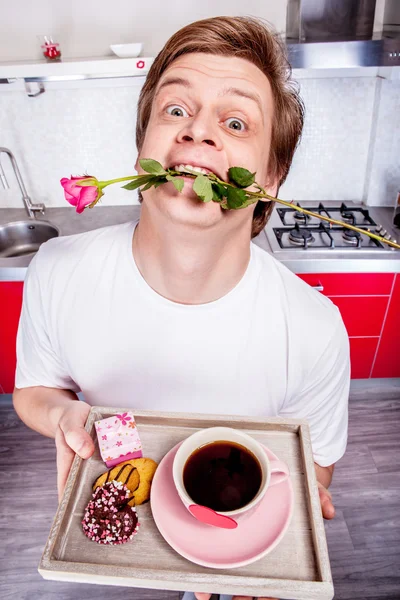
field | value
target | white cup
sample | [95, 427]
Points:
[272, 472]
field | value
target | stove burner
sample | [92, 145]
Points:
[300, 218]
[348, 217]
[352, 237]
[301, 237]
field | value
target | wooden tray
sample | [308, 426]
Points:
[298, 568]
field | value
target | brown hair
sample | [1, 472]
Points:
[251, 39]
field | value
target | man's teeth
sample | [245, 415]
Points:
[190, 169]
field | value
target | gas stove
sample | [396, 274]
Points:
[291, 231]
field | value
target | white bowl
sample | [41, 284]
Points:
[126, 50]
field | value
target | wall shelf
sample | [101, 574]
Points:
[307, 60]
[74, 69]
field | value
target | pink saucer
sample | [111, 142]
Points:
[209, 546]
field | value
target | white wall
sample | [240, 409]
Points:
[87, 27]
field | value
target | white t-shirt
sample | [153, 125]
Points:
[272, 346]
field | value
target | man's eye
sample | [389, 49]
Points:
[236, 124]
[177, 111]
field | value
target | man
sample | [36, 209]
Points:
[182, 312]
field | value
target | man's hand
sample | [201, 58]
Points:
[324, 478]
[71, 438]
[325, 497]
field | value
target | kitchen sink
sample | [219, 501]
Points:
[24, 237]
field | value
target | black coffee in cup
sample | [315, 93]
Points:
[222, 475]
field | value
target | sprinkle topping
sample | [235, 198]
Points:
[108, 519]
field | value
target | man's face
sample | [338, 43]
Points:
[213, 112]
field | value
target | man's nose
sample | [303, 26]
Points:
[201, 129]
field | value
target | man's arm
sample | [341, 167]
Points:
[324, 474]
[41, 408]
[42, 397]
[59, 414]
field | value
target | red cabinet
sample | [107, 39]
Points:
[10, 309]
[362, 315]
[370, 307]
[362, 354]
[387, 363]
[351, 284]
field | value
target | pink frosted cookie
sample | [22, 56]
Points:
[107, 518]
[118, 439]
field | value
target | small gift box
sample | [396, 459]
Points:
[118, 439]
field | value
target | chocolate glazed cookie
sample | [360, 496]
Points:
[125, 472]
[108, 519]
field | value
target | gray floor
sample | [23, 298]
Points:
[363, 539]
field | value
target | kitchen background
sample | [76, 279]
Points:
[349, 152]
[351, 142]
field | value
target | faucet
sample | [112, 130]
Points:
[31, 208]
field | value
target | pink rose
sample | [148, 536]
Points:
[81, 191]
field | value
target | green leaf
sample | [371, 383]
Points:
[138, 182]
[150, 184]
[203, 188]
[216, 196]
[177, 181]
[160, 181]
[219, 191]
[236, 197]
[249, 201]
[152, 166]
[241, 177]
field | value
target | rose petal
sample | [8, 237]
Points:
[70, 187]
[69, 184]
[71, 199]
[87, 196]
[77, 195]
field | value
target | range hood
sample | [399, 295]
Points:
[324, 34]
[346, 54]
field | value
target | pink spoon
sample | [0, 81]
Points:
[210, 517]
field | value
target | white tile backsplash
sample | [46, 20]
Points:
[384, 183]
[349, 150]
[64, 132]
[331, 161]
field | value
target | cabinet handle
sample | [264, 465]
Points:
[319, 287]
